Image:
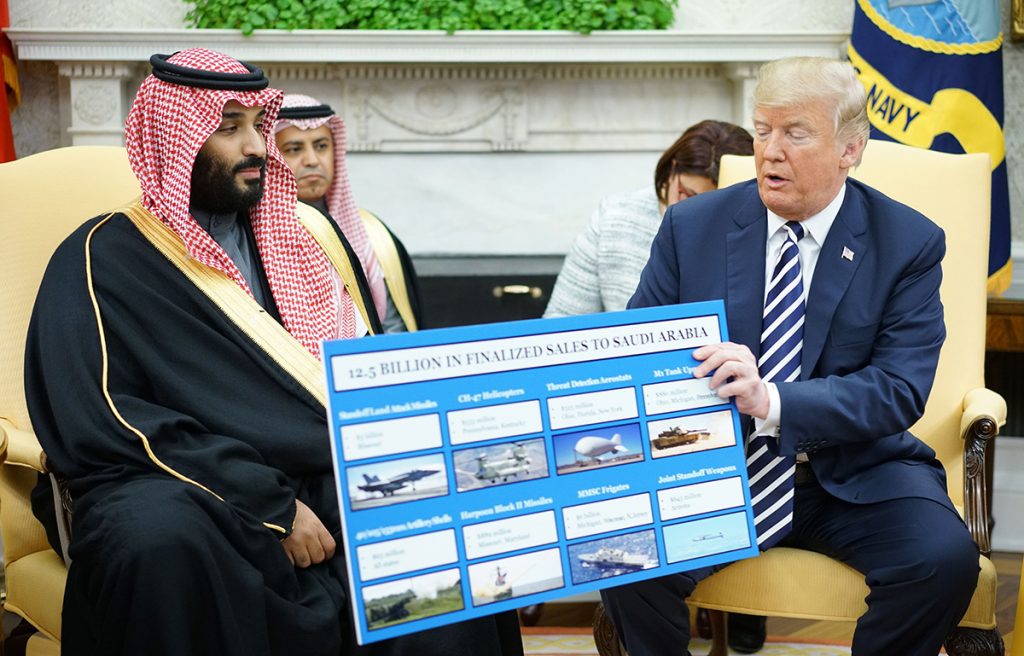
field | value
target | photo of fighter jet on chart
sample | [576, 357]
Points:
[500, 464]
[397, 481]
[598, 447]
[702, 432]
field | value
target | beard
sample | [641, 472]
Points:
[214, 186]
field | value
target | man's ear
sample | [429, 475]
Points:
[851, 153]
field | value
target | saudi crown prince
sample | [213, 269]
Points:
[173, 377]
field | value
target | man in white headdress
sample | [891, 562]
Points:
[312, 139]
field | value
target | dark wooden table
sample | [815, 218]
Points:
[1004, 339]
[1005, 330]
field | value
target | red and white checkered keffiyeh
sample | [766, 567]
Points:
[165, 129]
[339, 200]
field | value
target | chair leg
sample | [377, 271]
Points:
[607, 640]
[605, 637]
[963, 641]
[719, 634]
[530, 615]
[703, 623]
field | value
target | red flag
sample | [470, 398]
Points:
[10, 92]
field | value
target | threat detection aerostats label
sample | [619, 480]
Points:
[485, 468]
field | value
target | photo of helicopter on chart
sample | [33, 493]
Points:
[397, 481]
[500, 464]
[598, 447]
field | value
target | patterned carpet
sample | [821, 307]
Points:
[545, 641]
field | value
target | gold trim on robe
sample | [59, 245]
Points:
[383, 245]
[241, 308]
[106, 368]
[238, 306]
[317, 225]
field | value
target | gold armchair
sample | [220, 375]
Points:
[46, 196]
[960, 418]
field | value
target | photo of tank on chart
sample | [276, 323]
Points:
[692, 433]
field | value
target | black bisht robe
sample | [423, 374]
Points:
[412, 284]
[404, 261]
[184, 446]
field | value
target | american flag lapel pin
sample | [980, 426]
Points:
[847, 254]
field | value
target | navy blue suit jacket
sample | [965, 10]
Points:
[872, 334]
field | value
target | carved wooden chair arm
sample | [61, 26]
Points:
[984, 414]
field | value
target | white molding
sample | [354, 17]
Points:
[83, 69]
[401, 46]
[1008, 494]
[1016, 289]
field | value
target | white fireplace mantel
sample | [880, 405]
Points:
[474, 142]
[427, 91]
[406, 46]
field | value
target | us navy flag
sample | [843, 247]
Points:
[933, 70]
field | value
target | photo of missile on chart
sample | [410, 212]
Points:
[396, 481]
[598, 447]
[516, 576]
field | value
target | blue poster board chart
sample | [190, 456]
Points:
[489, 467]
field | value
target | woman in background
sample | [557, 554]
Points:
[603, 268]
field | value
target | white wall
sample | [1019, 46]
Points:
[1008, 495]
[406, 193]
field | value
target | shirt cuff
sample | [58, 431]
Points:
[770, 424]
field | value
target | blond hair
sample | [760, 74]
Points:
[799, 80]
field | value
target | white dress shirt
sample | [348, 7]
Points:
[815, 231]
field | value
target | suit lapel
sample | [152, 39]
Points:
[745, 274]
[840, 256]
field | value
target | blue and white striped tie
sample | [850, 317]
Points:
[782, 338]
